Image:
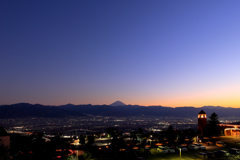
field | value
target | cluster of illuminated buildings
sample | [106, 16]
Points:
[94, 124]
[99, 124]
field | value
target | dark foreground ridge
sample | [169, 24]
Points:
[23, 110]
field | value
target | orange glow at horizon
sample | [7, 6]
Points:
[224, 97]
[216, 96]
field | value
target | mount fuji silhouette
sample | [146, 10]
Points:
[118, 103]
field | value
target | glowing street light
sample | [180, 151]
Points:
[150, 142]
[77, 155]
[180, 153]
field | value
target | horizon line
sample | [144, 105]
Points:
[119, 105]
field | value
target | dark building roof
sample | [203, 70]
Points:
[3, 132]
[201, 112]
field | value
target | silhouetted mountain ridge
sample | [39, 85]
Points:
[136, 110]
[24, 110]
[38, 110]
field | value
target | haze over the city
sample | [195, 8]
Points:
[169, 53]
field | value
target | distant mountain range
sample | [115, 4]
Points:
[23, 110]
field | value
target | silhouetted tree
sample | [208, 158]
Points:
[119, 143]
[140, 132]
[90, 139]
[119, 133]
[97, 134]
[161, 138]
[155, 135]
[111, 131]
[82, 139]
[213, 120]
[134, 136]
[190, 134]
[212, 127]
[169, 134]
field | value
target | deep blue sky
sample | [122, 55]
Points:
[170, 53]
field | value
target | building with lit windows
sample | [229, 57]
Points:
[202, 121]
[232, 129]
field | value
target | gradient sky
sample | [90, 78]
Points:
[162, 52]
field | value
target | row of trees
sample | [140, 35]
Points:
[170, 135]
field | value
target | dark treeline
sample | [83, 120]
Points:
[37, 147]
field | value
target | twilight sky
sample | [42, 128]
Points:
[157, 52]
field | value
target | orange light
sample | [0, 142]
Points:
[99, 148]
[159, 144]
